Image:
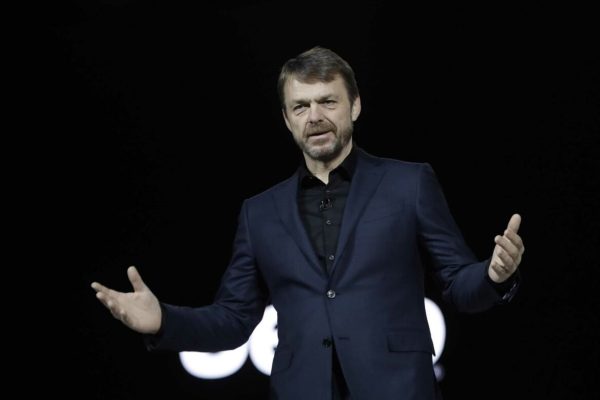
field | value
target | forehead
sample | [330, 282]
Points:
[295, 90]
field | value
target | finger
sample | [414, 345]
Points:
[507, 246]
[123, 316]
[115, 308]
[118, 313]
[514, 223]
[98, 287]
[115, 313]
[500, 270]
[109, 293]
[112, 306]
[514, 238]
[135, 279]
[105, 300]
[508, 263]
[496, 260]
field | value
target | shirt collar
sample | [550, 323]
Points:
[345, 169]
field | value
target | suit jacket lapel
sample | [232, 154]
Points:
[286, 202]
[364, 182]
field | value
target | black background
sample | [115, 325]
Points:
[166, 117]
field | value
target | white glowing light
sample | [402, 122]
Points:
[214, 365]
[437, 326]
[263, 341]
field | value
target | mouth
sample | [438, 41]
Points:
[317, 134]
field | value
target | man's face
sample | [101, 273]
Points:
[320, 116]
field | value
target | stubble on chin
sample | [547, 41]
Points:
[329, 151]
[324, 153]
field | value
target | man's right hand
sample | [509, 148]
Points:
[138, 310]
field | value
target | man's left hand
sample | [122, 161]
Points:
[507, 253]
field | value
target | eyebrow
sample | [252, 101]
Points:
[318, 99]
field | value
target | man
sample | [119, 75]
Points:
[337, 249]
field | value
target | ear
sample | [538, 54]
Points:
[287, 123]
[355, 108]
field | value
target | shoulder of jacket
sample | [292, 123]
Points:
[394, 165]
[266, 194]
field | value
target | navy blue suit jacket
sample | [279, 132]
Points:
[377, 316]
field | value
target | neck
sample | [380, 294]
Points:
[321, 169]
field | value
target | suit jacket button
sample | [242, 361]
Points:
[327, 342]
[331, 294]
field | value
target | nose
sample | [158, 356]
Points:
[315, 114]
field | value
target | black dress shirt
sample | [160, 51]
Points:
[321, 209]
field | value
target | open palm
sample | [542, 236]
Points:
[138, 310]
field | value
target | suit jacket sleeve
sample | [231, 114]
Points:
[463, 277]
[228, 322]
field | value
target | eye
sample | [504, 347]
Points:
[330, 103]
[297, 109]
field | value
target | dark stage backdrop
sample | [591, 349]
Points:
[166, 117]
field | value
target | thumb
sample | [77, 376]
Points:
[514, 223]
[135, 279]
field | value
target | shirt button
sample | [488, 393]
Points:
[331, 294]
[328, 222]
[327, 342]
[331, 257]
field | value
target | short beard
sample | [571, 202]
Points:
[329, 153]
